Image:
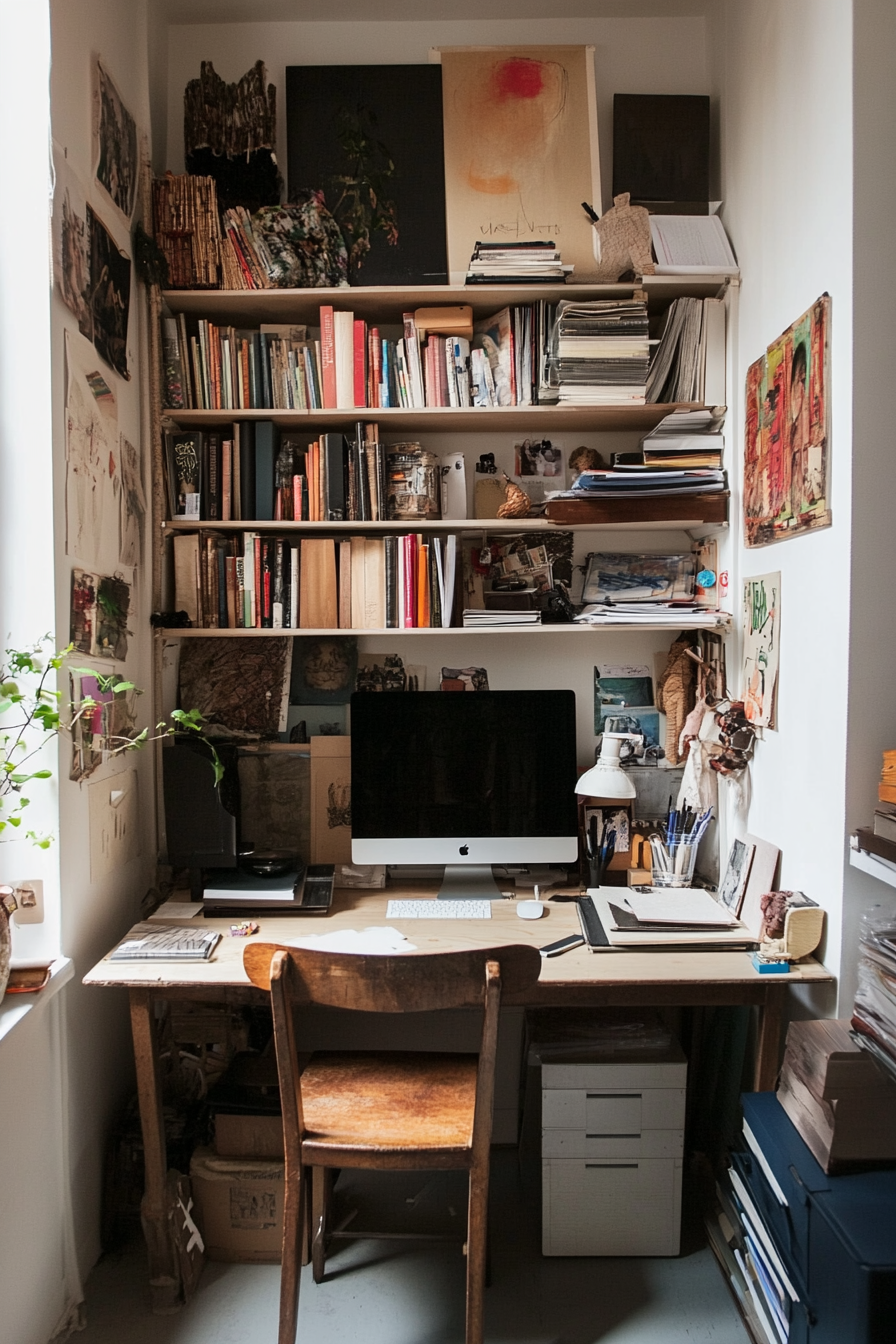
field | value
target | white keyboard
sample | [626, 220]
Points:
[439, 910]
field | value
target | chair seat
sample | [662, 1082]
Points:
[388, 1103]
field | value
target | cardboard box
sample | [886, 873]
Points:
[239, 1207]
[259, 1137]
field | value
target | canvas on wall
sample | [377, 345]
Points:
[70, 257]
[787, 432]
[761, 636]
[115, 143]
[109, 294]
[521, 150]
[353, 129]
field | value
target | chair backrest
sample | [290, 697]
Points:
[408, 983]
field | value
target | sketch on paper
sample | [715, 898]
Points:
[734, 881]
[99, 615]
[131, 506]
[520, 150]
[70, 255]
[787, 433]
[115, 143]
[761, 628]
[91, 468]
[109, 295]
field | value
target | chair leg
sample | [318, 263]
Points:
[321, 1186]
[294, 1239]
[477, 1241]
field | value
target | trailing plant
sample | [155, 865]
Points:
[33, 712]
[363, 205]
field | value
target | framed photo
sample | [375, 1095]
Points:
[737, 872]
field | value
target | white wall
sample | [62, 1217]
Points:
[784, 82]
[96, 913]
[872, 644]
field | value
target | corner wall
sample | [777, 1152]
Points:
[783, 77]
[97, 909]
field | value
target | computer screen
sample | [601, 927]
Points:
[464, 778]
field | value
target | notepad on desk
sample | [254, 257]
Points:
[625, 930]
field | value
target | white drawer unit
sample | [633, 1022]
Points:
[611, 1148]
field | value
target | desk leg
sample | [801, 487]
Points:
[771, 1014]
[174, 1266]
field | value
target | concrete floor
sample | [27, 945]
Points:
[379, 1292]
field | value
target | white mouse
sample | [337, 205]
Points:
[530, 909]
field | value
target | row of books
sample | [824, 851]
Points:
[350, 364]
[251, 471]
[260, 581]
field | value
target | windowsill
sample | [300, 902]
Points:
[14, 1008]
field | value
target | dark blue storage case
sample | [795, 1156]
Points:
[836, 1235]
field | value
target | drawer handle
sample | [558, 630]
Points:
[612, 1096]
[636, 1135]
[613, 1166]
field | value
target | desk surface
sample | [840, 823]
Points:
[579, 969]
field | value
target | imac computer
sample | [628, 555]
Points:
[464, 779]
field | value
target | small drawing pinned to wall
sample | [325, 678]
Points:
[762, 630]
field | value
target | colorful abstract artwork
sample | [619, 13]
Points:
[761, 639]
[787, 433]
[520, 150]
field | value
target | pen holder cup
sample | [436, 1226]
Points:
[672, 864]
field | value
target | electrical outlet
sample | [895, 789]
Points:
[30, 899]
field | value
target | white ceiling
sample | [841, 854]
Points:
[236, 11]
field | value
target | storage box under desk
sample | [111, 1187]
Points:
[611, 1145]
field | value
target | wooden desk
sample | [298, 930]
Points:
[576, 979]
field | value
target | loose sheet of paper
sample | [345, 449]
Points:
[378, 940]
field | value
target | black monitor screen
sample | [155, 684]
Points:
[460, 766]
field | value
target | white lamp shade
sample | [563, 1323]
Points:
[606, 779]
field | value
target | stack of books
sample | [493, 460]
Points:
[602, 352]
[478, 619]
[639, 482]
[683, 440]
[516, 263]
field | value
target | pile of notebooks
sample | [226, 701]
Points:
[682, 441]
[516, 263]
[602, 352]
[634, 481]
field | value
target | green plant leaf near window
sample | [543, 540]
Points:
[33, 713]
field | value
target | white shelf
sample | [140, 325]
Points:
[529, 631]
[882, 869]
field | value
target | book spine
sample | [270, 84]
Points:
[239, 620]
[391, 569]
[422, 584]
[345, 584]
[277, 621]
[231, 590]
[294, 587]
[258, 585]
[409, 580]
[332, 447]
[226, 480]
[265, 457]
[221, 577]
[360, 362]
[173, 381]
[328, 357]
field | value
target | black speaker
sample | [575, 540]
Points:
[201, 818]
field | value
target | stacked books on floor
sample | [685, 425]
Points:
[874, 1012]
[500, 360]
[252, 471]
[516, 263]
[602, 352]
[268, 582]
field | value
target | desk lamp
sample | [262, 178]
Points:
[606, 778]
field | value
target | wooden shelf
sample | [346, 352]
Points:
[883, 870]
[473, 527]
[663, 510]
[386, 303]
[529, 631]
[446, 419]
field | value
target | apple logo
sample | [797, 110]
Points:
[464, 849]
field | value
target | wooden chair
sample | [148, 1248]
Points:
[384, 1111]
